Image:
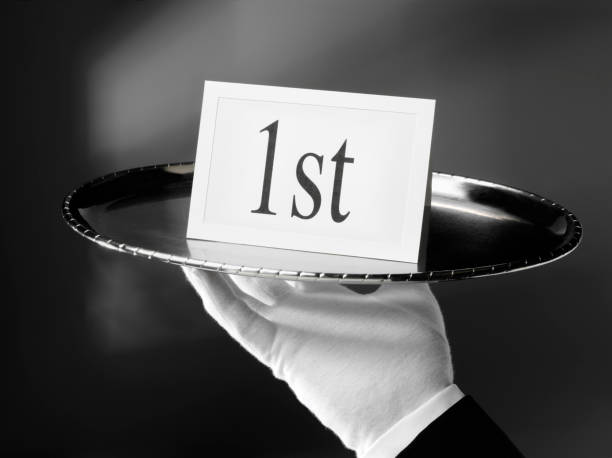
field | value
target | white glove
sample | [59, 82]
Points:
[359, 362]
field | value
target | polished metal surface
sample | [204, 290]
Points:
[476, 228]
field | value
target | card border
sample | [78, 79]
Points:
[423, 109]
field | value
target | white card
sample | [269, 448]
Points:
[320, 171]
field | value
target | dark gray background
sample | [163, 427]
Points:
[115, 356]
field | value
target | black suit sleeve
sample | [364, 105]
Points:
[463, 430]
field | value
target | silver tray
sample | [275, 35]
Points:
[476, 228]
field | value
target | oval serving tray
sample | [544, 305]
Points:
[476, 228]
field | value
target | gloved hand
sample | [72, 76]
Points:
[359, 362]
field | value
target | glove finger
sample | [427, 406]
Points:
[307, 287]
[415, 297]
[228, 307]
[267, 291]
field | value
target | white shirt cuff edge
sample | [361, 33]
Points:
[402, 433]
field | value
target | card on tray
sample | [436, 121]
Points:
[321, 171]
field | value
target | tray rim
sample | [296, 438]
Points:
[517, 265]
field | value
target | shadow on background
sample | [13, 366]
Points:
[115, 355]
